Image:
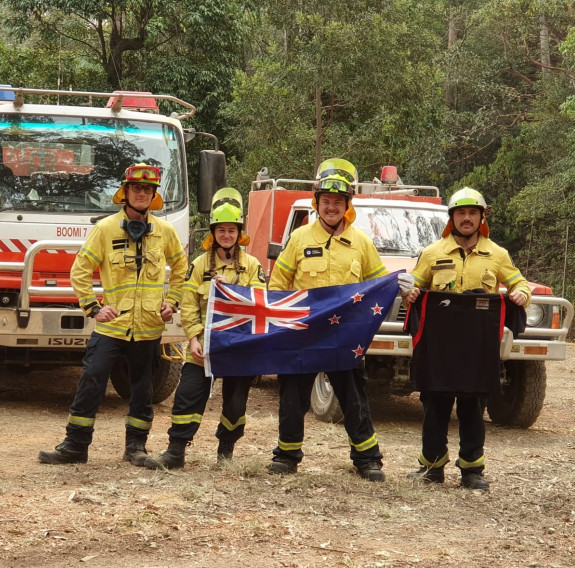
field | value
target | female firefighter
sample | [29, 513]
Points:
[224, 261]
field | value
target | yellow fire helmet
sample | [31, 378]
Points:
[140, 173]
[337, 176]
[227, 207]
[467, 197]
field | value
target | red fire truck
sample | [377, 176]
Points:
[60, 165]
[401, 220]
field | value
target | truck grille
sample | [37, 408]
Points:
[397, 312]
[401, 314]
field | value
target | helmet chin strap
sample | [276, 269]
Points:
[456, 233]
[140, 211]
[333, 228]
[227, 251]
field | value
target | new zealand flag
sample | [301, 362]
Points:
[250, 331]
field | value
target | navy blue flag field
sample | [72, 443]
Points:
[250, 331]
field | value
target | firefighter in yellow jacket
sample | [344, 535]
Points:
[330, 251]
[464, 259]
[131, 250]
[224, 261]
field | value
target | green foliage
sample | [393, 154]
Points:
[61, 66]
[350, 79]
[452, 92]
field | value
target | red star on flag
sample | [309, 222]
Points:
[357, 297]
[376, 310]
[358, 351]
[334, 319]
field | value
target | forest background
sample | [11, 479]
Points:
[453, 93]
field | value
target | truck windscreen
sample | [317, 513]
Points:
[75, 164]
[400, 231]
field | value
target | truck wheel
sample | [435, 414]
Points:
[166, 378]
[522, 393]
[324, 403]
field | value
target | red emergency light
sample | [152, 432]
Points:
[389, 174]
[133, 100]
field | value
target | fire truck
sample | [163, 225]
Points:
[60, 165]
[401, 220]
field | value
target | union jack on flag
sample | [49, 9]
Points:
[256, 309]
[250, 331]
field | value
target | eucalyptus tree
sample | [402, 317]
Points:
[139, 42]
[190, 48]
[526, 101]
[102, 31]
[30, 59]
[338, 78]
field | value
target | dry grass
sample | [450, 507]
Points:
[109, 513]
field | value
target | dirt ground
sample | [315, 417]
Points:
[110, 513]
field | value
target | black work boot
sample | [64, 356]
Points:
[66, 452]
[474, 481]
[173, 458]
[225, 451]
[371, 471]
[282, 466]
[136, 452]
[428, 474]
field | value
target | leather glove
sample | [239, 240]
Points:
[406, 282]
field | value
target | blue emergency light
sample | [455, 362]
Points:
[7, 96]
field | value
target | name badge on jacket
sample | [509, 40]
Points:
[313, 251]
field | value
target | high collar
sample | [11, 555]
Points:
[149, 219]
[321, 236]
[484, 245]
[220, 264]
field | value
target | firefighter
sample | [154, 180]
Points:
[327, 252]
[464, 259]
[131, 250]
[224, 261]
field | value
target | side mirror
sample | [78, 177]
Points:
[274, 250]
[211, 177]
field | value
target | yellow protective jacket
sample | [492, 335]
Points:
[196, 290]
[305, 262]
[444, 266]
[137, 298]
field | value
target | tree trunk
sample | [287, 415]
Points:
[544, 42]
[318, 128]
[450, 82]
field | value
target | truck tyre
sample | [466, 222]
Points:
[166, 378]
[324, 403]
[521, 396]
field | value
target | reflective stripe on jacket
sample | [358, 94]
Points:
[196, 290]
[305, 262]
[136, 297]
[444, 266]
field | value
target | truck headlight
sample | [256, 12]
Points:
[535, 315]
